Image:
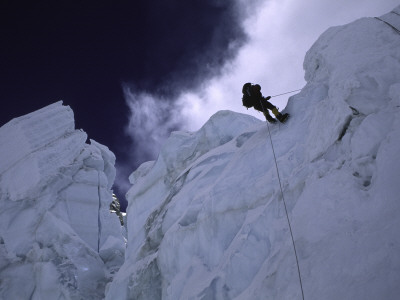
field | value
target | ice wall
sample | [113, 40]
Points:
[58, 239]
[207, 221]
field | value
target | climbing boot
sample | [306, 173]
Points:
[281, 117]
[269, 118]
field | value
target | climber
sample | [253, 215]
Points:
[252, 97]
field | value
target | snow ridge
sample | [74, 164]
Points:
[206, 219]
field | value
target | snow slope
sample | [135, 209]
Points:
[58, 239]
[206, 220]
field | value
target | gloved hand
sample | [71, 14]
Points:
[268, 97]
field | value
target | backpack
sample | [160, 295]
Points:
[247, 98]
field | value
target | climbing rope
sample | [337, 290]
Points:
[284, 203]
[287, 215]
[286, 93]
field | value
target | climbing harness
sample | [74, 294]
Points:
[286, 93]
[284, 203]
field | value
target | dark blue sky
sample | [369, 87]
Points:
[83, 51]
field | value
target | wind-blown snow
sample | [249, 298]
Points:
[206, 220]
[58, 239]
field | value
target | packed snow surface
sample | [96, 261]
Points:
[58, 239]
[206, 220]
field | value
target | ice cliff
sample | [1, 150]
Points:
[58, 239]
[206, 220]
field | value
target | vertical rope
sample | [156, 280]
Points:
[284, 203]
[287, 215]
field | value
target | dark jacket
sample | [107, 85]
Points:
[252, 97]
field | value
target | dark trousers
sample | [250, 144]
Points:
[262, 103]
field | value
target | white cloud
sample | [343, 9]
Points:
[150, 122]
[280, 34]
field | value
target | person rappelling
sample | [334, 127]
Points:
[252, 97]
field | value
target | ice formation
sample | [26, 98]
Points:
[206, 220]
[58, 239]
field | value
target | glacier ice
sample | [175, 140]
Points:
[58, 239]
[206, 219]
